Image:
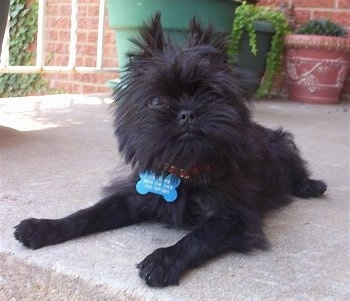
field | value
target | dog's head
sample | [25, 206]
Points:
[181, 109]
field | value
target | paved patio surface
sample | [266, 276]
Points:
[56, 152]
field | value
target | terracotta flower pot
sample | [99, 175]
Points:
[316, 67]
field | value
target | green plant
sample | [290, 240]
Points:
[245, 16]
[23, 29]
[322, 27]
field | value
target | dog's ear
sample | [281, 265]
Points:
[152, 38]
[206, 36]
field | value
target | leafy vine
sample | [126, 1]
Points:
[23, 29]
[245, 16]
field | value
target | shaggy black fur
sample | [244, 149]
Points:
[182, 110]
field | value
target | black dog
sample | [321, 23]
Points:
[199, 161]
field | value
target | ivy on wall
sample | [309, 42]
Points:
[23, 29]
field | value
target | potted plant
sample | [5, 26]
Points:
[317, 60]
[257, 44]
[126, 17]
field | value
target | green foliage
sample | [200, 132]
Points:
[23, 29]
[245, 16]
[322, 27]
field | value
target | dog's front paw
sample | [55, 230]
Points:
[35, 233]
[162, 268]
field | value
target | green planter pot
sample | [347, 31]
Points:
[255, 64]
[127, 16]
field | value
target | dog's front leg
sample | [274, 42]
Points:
[217, 236]
[112, 212]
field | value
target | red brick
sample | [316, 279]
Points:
[87, 89]
[62, 22]
[80, 61]
[49, 46]
[57, 23]
[67, 87]
[344, 4]
[51, 35]
[109, 37]
[92, 37]
[89, 61]
[82, 11]
[314, 3]
[110, 51]
[103, 77]
[50, 22]
[269, 2]
[86, 49]
[58, 60]
[110, 63]
[88, 23]
[65, 10]
[58, 76]
[93, 10]
[64, 36]
[61, 48]
[52, 10]
[82, 37]
[302, 16]
[87, 77]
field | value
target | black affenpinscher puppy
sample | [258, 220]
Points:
[182, 120]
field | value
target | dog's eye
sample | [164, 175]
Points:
[159, 103]
[155, 102]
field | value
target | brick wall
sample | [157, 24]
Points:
[336, 10]
[57, 30]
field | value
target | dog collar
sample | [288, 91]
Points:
[166, 186]
[187, 174]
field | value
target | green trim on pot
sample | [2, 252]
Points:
[263, 26]
[126, 17]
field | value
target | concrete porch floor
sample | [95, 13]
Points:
[56, 152]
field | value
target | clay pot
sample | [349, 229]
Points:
[316, 67]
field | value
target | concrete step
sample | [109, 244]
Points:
[56, 152]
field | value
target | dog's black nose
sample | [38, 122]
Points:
[186, 116]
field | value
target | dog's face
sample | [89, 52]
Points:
[181, 107]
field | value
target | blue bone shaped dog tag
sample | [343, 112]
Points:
[165, 187]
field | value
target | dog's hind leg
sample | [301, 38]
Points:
[301, 185]
[112, 212]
